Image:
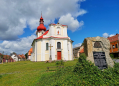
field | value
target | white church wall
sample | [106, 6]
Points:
[51, 30]
[65, 32]
[70, 51]
[40, 33]
[42, 50]
[47, 52]
[52, 42]
[35, 50]
[38, 50]
[33, 54]
[65, 52]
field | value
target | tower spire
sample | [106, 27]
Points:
[57, 21]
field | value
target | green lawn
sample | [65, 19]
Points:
[25, 73]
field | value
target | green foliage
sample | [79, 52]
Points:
[111, 55]
[26, 55]
[25, 73]
[59, 63]
[76, 57]
[84, 73]
[0, 76]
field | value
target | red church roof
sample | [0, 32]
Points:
[42, 35]
[41, 26]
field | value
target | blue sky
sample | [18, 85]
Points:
[85, 18]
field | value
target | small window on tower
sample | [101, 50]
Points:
[42, 32]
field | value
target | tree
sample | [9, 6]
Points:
[2, 54]
[26, 55]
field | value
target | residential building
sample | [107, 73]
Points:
[114, 45]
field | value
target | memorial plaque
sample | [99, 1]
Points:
[100, 60]
[97, 45]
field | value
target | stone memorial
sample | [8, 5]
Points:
[97, 50]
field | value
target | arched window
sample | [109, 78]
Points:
[58, 45]
[46, 46]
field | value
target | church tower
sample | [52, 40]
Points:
[41, 28]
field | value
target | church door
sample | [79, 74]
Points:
[58, 55]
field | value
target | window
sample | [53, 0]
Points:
[116, 46]
[42, 32]
[113, 46]
[46, 46]
[58, 45]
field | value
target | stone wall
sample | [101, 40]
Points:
[105, 47]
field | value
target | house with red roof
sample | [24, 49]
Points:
[114, 45]
[22, 57]
[77, 51]
[7, 58]
[52, 44]
[15, 56]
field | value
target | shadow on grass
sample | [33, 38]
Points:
[0, 76]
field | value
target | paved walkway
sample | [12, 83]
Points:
[116, 60]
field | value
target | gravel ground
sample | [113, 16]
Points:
[116, 60]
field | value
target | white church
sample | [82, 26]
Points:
[52, 44]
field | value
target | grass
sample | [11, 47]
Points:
[25, 73]
[84, 73]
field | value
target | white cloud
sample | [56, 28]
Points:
[16, 14]
[21, 46]
[72, 23]
[111, 35]
[107, 35]
[77, 45]
[81, 12]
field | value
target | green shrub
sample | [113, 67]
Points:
[60, 63]
[76, 57]
[83, 73]
[0, 76]
[111, 55]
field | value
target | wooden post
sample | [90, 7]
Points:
[2, 61]
[48, 68]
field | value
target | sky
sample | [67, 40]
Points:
[19, 20]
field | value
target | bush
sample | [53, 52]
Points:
[0, 76]
[83, 73]
[60, 63]
[111, 55]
